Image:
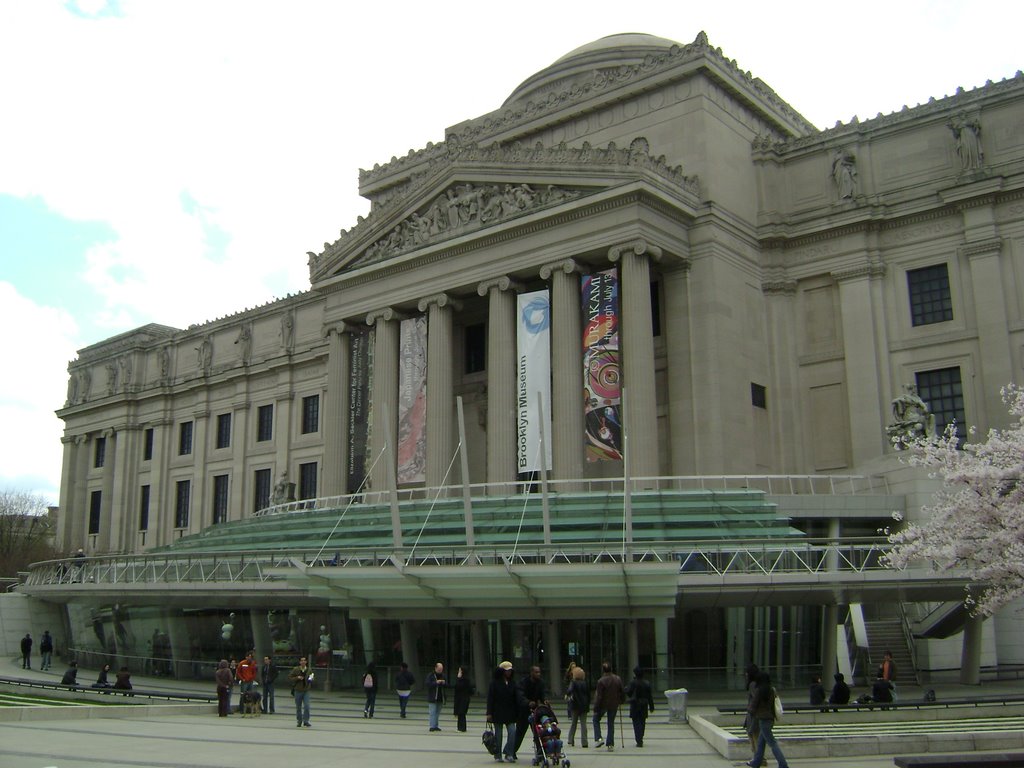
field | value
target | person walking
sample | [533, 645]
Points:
[370, 689]
[764, 712]
[45, 650]
[579, 704]
[436, 683]
[749, 723]
[532, 687]
[404, 682]
[641, 702]
[246, 671]
[463, 692]
[26, 651]
[609, 695]
[223, 678]
[504, 699]
[268, 674]
[301, 678]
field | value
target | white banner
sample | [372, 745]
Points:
[533, 380]
[412, 401]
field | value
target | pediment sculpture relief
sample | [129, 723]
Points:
[462, 207]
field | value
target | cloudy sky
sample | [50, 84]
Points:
[172, 161]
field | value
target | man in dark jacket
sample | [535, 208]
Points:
[436, 683]
[840, 691]
[268, 674]
[504, 700]
[26, 651]
[641, 701]
[609, 695]
[532, 687]
[46, 649]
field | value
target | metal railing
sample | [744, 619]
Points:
[773, 485]
[757, 557]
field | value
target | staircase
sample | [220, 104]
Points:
[888, 635]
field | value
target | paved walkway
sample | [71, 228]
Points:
[340, 735]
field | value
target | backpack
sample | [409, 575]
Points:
[368, 681]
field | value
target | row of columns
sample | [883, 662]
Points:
[567, 433]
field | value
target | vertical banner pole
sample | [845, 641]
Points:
[545, 509]
[627, 490]
[389, 457]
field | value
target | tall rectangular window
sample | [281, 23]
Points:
[930, 301]
[220, 499]
[101, 452]
[144, 509]
[265, 423]
[185, 439]
[942, 389]
[758, 395]
[223, 430]
[183, 492]
[310, 414]
[307, 480]
[655, 309]
[147, 445]
[475, 341]
[261, 490]
[95, 506]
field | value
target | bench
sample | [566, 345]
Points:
[1007, 759]
[977, 701]
[88, 691]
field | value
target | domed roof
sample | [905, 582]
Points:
[624, 49]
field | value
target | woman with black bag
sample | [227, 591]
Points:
[464, 690]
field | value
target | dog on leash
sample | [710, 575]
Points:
[251, 703]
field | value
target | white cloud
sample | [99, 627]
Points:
[38, 343]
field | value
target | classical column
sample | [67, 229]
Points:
[441, 421]
[501, 381]
[994, 341]
[483, 666]
[866, 416]
[407, 633]
[335, 417]
[679, 359]
[240, 504]
[784, 411]
[829, 645]
[201, 481]
[104, 540]
[553, 657]
[567, 427]
[640, 423]
[384, 388]
[125, 499]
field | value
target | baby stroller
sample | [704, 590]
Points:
[547, 738]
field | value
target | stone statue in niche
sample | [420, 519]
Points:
[244, 342]
[844, 173]
[111, 379]
[204, 355]
[124, 364]
[288, 331]
[967, 135]
[284, 491]
[164, 356]
[912, 418]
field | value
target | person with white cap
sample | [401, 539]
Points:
[504, 700]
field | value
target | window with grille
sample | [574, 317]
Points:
[261, 485]
[224, 430]
[307, 480]
[943, 391]
[265, 423]
[100, 456]
[183, 493]
[474, 339]
[930, 301]
[144, 509]
[310, 414]
[147, 445]
[220, 499]
[185, 439]
[95, 508]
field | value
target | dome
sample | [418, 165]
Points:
[624, 49]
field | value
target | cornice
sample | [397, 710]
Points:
[421, 227]
[602, 81]
[982, 248]
[870, 271]
[780, 287]
[854, 130]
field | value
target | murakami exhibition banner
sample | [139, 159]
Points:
[359, 405]
[533, 380]
[412, 401]
[602, 385]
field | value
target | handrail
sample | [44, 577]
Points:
[756, 556]
[773, 485]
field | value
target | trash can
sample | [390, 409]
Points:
[677, 705]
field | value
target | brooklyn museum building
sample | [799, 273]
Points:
[604, 375]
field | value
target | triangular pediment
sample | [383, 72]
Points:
[475, 188]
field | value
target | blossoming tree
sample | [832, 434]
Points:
[975, 522]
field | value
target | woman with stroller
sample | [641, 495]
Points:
[579, 705]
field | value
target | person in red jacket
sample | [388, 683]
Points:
[247, 671]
